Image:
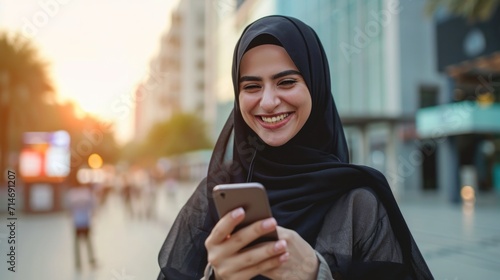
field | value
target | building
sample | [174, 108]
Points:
[382, 57]
[176, 79]
[463, 122]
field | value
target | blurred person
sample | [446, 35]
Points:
[81, 203]
[150, 194]
[127, 194]
[107, 186]
[171, 184]
[140, 190]
[334, 219]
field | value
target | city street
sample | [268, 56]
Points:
[126, 248]
[106, 105]
[457, 243]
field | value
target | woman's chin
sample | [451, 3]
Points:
[274, 141]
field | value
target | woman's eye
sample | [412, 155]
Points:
[251, 87]
[287, 83]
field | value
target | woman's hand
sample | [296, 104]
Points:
[302, 261]
[225, 252]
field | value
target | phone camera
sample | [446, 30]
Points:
[223, 195]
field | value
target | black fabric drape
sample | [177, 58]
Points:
[303, 177]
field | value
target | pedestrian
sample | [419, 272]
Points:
[171, 184]
[127, 192]
[82, 203]
[334, 220]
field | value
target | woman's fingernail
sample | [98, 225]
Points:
[268, 223]
[284, 257]
[280, 245]
[237, 212]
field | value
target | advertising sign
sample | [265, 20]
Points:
[45, 157]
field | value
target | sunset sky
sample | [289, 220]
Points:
[98, 51]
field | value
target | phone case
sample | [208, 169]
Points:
[252, 197]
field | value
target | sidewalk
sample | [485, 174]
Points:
[126, 248]
[457, 243]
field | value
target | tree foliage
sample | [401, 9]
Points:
[29, 98]
[26, 72]
[473, 10]
[24, 85]
[183, 132]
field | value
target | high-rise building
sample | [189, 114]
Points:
[381, 56]
[176, 79]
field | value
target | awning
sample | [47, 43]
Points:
[458, 118]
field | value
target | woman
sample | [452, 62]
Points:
[333, 219]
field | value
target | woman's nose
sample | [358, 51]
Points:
[270, 99]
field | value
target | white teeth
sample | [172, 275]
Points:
[274, 119]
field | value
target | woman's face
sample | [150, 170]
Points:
[274, 99]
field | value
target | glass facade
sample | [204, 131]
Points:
[352, 33]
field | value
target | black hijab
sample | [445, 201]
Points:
[303, 177]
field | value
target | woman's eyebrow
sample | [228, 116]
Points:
[250, 79]
[285, 73]
[274, 77]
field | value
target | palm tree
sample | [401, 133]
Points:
[28, 103]
[24, 86]
[473, 10]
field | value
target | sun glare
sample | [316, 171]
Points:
[93, 63]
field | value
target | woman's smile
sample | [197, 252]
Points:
[274, 121]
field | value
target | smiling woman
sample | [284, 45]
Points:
[333, 219]
[274, 99]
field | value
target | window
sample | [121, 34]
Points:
[428, 96]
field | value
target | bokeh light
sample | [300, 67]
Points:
[468, 194]
[95, 161]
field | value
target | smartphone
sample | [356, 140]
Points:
[252, 197]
